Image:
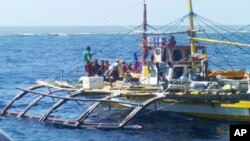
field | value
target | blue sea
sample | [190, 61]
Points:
[38, 53]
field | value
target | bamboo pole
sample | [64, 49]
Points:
[71, 123]
[139, 108]
[90, 110]
[220, 42]
[34, 102]
[79, 99]
[192, 34]
[56, 105]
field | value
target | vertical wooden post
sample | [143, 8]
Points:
[192, 34]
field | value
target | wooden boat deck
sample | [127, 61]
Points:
[150, 91]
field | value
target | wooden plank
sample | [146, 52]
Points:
[64, 84]
[54, 86]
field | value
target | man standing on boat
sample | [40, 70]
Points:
[87, 56]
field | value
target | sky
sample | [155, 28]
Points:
[117, 12]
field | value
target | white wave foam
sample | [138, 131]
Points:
[27, 34]
[58, 34]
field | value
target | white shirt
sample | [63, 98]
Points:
[113, 66]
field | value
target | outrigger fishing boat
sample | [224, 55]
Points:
[175, 79]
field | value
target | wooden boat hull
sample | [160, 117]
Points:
[229, 74]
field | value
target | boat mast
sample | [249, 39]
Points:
[192, 34]
[144, 35]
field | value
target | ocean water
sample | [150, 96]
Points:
[38, 53]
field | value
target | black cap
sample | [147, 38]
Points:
[88, 48]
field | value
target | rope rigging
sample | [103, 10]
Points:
[223, 36]
[173, 22]
[223, 27]
[216, 47]
[214, 26]
[220, 26]
[245, 34]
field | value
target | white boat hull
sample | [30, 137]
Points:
[204, 110]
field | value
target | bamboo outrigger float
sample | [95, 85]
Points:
[73, 96]
[183, 89]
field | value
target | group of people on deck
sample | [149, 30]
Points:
[92, 67]
[119, 70]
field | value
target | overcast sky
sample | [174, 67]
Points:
[115, 12]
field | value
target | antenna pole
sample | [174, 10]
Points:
[192, 34]
[144, 19]
[144, 35]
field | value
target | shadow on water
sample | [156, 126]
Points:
[179, 126]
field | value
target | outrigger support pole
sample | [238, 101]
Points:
[19, 96]
[139, 108]
[56, 105]
[79, 99]
[34, 102]
[90, 110]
